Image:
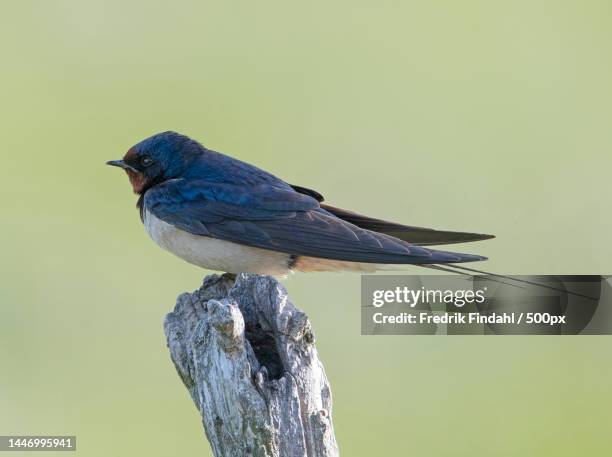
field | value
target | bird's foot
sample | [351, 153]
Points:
[231, 276]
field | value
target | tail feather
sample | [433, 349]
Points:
[419, 236]
[495, 277]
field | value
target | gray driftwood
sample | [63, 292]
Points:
[247, 356]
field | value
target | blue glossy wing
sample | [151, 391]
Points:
[279, 219]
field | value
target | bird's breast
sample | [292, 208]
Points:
[214, 254]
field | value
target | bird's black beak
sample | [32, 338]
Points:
[120, 164]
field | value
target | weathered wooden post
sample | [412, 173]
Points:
[247, 356]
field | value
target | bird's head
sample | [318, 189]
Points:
[158, 158]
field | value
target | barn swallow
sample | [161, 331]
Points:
[220, 213]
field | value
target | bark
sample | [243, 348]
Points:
[247, 356]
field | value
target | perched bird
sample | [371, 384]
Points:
[223, 214]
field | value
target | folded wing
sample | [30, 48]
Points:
[419, 236]
[280, 219]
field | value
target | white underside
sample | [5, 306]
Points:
[215, 254]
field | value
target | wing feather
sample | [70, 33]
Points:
[282, 220]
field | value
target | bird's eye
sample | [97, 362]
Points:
[146, 161]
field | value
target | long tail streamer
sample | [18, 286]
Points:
[462, 271]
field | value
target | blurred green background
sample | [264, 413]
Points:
[478, 115]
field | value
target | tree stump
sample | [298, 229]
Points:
[247, 356]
